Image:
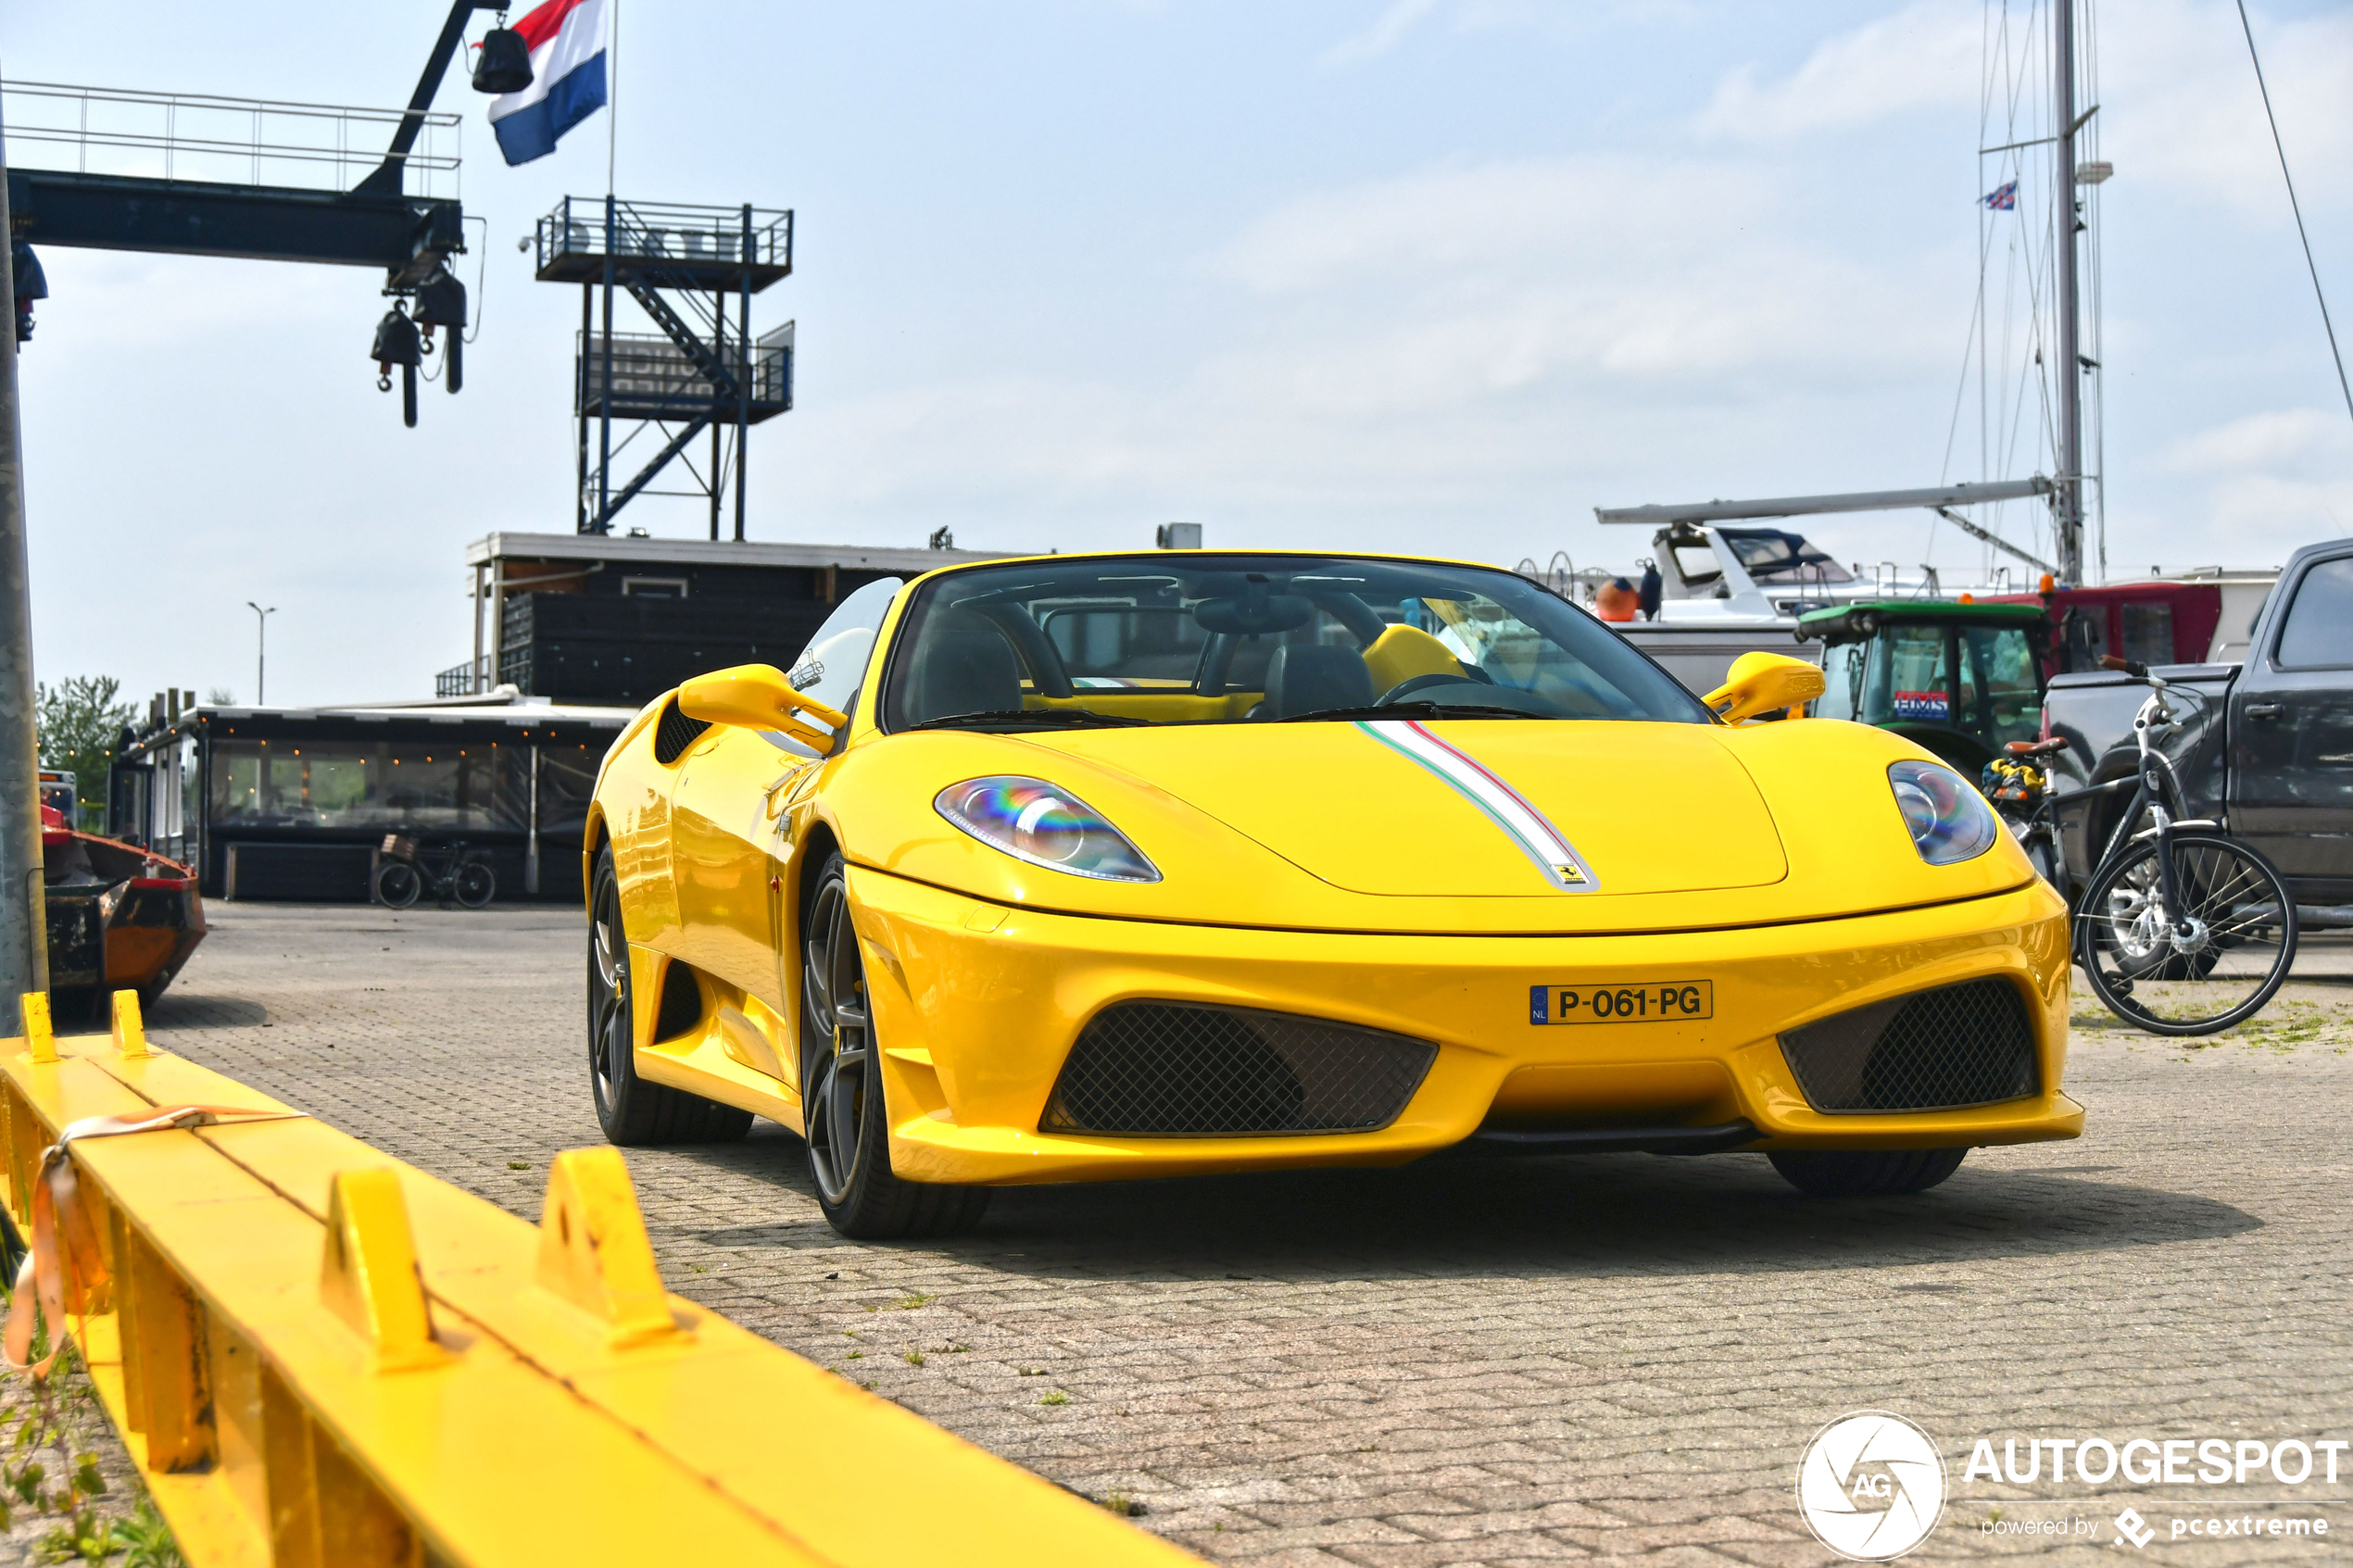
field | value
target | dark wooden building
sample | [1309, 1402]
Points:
[582, 617]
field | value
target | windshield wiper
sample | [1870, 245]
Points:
[1075, 718]
[1415, 710]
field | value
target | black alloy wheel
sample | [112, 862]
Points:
[632, 1111]
[842, 1101]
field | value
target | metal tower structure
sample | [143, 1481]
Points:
[689, 268]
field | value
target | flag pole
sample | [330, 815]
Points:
[612, 95]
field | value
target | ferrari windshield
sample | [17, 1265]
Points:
[1201, 638]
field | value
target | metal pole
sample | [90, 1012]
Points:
[261, 651]
[580, 402]
[719, 310]
[743, 377]
[24, 922]
[531, 827]
[604, 393]
[2067, 495]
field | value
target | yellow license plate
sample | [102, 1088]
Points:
[1649, 1001]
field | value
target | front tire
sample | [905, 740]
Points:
[633, 1113]
[842, 1103]
[1865, 1172]
[477, 885]
[397, 884]
[2242, 944]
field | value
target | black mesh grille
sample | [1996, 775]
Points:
[1173, 1070]
[1957, 1045]
[674, 733]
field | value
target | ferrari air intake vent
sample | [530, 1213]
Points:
[1178, 1069]
[674, 733]
[1957, 1045]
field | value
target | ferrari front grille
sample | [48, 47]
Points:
[1182, 1070]
[1954, 1047]
[674, 733]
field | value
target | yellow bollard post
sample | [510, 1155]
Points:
[40, 1039]
[129, 1030]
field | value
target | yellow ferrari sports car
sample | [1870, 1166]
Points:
[1085, 866]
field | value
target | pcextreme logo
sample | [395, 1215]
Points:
[1871, 1486]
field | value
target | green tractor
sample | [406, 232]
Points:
[1963, 680]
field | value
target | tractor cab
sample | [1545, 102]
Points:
[1963, 680]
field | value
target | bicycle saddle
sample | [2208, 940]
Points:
[2037, 747]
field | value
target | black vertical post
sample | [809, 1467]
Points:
[719, 300]
[604, 399]
[743, 378]
[580, 404]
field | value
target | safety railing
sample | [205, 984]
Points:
[653, 377]
[203, 136]
[322, 1358]
[667, 234]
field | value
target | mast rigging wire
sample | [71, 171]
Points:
[2295, 206]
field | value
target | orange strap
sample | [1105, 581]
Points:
[65, 1241]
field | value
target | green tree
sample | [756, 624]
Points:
[81, 724]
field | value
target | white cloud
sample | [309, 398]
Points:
[2181, 110]
[2274, 439]
[1926, 55]
[2179, 104]
[1389, 27]
[1485, 342]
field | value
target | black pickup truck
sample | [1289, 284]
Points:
[2266, 747]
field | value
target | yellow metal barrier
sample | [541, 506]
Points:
[322, 1358]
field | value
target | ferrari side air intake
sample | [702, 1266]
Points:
[1182, 1070]
[1946, 1049]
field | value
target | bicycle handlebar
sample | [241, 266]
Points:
[2130, 667]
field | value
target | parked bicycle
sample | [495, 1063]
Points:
[2180, 928]
[449, 871]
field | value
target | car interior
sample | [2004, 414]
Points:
[1110, 643]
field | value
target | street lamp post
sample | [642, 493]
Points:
[260, 649]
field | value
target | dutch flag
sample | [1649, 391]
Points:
[567, 43]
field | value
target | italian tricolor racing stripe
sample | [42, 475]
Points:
[1543, 843]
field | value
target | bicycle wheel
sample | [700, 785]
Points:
[397, 884]
[476, 886]
[2217, 963]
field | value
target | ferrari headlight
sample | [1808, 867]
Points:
[1949, 822]
[1036, 822]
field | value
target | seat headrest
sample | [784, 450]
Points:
[1303, 677]
[963, 665]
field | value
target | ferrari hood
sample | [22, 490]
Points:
[1450, 825]
[1474, 807]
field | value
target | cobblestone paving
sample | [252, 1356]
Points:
[1613, 1357]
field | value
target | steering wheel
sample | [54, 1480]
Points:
[1470, 676]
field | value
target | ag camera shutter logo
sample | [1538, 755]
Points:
[1871, 1486]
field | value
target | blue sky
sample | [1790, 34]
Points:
[1427, 275]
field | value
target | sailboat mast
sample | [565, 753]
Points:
[2067, 492]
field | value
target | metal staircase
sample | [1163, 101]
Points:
[693, 272]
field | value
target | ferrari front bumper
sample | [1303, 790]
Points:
[977, 1007]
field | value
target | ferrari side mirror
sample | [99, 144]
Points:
[759, 696]
[1759, 682]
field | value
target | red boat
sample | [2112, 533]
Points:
[119, 919]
